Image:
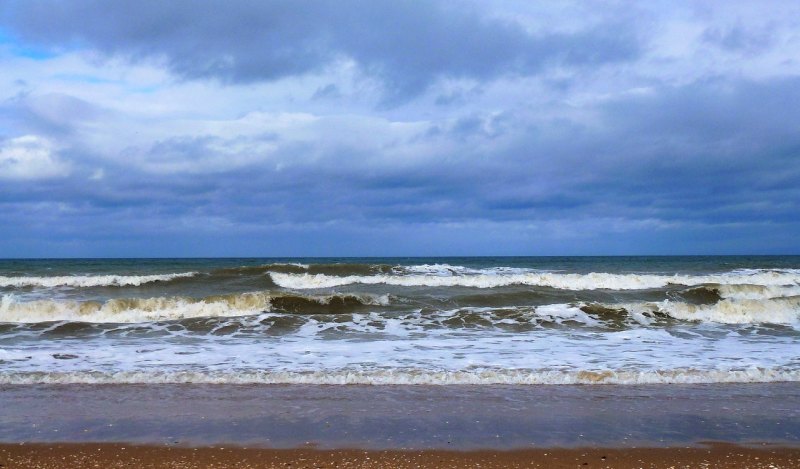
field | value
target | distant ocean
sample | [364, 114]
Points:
[473, 320]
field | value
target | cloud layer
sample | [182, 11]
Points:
[372, 128]
[30, 157]
[405, 45]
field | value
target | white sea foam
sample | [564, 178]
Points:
[448, 270]
[565, 312]
[396, 355]
[410, 377]
[565, 281]
[89, 280]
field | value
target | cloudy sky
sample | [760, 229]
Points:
[285, 128]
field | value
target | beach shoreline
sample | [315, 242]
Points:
[463, 418]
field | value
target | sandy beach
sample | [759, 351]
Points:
[119, 456]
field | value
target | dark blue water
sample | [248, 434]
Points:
[577, 264]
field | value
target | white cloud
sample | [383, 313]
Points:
[30, 157]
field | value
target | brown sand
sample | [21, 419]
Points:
[63, 456]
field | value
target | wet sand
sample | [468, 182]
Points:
[124, 456]
[402, 417]
[203, 426]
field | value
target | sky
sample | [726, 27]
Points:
[398, 128]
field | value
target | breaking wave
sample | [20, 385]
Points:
[90, 280]
[732, 311]
[757, 292]
[564, 281]
[139, 310]
[365, 313]
[783, 311]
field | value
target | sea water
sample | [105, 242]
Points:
[506, 320]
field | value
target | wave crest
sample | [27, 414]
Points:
[139, 310]
[732, 311]
[90, 280]
[563, 281]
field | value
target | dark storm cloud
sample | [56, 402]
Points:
[726, 151]
[702, 153]
[407, 45]
[714, 151]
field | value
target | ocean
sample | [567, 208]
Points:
[398, 321]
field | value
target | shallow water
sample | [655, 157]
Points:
[396, 417]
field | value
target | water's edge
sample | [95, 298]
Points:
[397, 417]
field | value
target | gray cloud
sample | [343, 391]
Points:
[698, 153]
[406, 45]
[534, 141]
[54, 114]
[739, 39]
